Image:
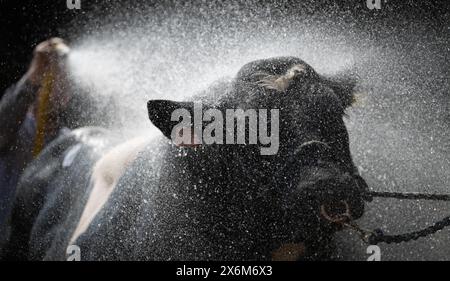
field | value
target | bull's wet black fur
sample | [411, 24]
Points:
[228, 202]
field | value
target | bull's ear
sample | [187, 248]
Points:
[344, 87]
[160, 113]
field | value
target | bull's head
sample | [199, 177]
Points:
[312, 178]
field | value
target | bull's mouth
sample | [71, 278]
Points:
[334, 213]
[289, 252]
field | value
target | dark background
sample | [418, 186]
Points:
[23, 24]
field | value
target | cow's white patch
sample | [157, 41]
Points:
[70, 155]
[280, 83]
[105, 175]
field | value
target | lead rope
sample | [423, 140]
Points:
[377, 236]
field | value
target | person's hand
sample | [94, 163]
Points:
[46, 57]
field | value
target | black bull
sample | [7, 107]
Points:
[210, 202]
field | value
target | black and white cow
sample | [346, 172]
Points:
[155, 200]
[52, 192]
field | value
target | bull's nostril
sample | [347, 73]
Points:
[337, 212]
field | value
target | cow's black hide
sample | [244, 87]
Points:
[52, 193]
